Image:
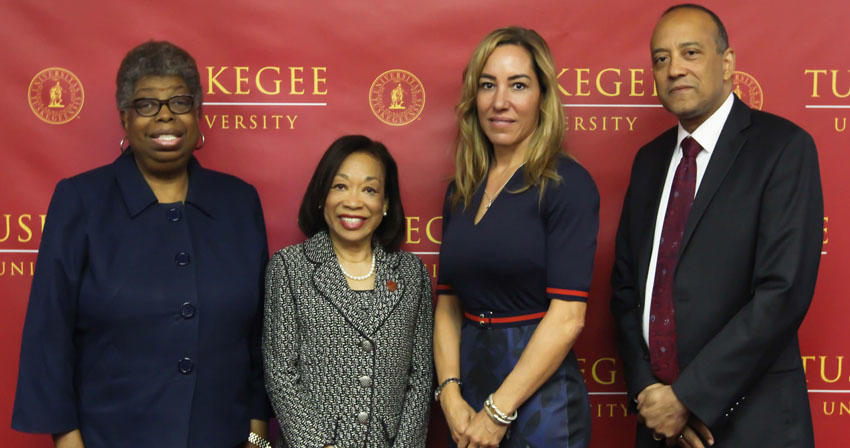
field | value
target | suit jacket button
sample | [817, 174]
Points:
[182, 259]
[365, 381]
[363, 417]
[366, 345]
[174, 214]
[185, 366]
[187, 310]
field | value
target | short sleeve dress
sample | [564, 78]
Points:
[523, 253]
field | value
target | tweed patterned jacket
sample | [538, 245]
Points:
[341, 374]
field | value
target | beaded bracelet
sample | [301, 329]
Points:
[445, 383]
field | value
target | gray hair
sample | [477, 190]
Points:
[156, 58]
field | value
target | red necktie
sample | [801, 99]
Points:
[663, 349]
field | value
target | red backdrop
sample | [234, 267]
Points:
[283, 79]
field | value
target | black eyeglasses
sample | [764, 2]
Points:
[148, 107]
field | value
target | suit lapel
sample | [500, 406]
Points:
[389, 288]
[330, 282]
[726, 150]
[660, 154]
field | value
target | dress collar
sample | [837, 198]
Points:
[138, 195]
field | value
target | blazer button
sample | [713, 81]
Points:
[187, 310]
[365, 381]
[182, 258]
[185, 366]
[366, 345]
[363, 417]
[174, 214]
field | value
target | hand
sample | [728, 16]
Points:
[458, 414]
[70, 439]
[695, 435]
[662, 411]
[259, 427]
[483, 432]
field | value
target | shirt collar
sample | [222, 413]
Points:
[138, 194]
[708, 132]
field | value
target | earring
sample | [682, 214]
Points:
[121, 144]
[385, 213]
[203, 141]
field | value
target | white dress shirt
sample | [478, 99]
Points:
[706, 135]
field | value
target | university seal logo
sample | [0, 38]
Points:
[747, 89]
[397, 97]
[55, 95]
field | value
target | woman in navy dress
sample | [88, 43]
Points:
[519, 235]
[144, 320]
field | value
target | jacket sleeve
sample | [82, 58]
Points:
[46, 398]
[413, 428]
[626, 309]
[301, 422]
[259, 402]
[786, 257]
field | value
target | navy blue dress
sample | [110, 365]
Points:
[144, 320]
[523, 253]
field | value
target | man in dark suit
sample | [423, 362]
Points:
[716, 256]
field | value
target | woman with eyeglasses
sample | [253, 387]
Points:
[144, 320]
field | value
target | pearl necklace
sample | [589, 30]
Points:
[359, 277]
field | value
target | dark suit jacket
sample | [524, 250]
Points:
[144, 320]
[744, 280]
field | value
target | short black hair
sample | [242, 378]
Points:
[311, 219]
[156, 58]
[722, 38]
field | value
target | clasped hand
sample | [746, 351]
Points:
[662, 412]
[472, 429]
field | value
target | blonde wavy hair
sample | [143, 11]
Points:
[474, 150]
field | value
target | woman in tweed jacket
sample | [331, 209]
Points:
[348, 316]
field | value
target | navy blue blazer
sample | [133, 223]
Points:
[144, 320]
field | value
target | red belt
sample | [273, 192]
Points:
[484, 319]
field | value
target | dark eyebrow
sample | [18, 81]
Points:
[681, 45]
[368, 178]
[690, 44]
[510, 78]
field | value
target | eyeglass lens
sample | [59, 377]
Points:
[148, 107]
